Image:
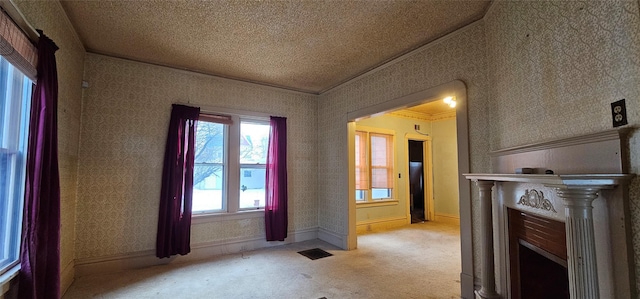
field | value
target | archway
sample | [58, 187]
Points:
[458, 90]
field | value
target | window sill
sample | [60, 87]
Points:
[206, 218]
[5, 279]
[377, 203]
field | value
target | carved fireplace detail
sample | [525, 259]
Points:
[587, 195]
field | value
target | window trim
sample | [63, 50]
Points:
[225, 169]
[368, 200]
[17, 139]
[231, 208]
[250, 120]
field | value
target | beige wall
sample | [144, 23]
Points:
[401, 126]
[124, 127]
[444, 160]
[445, 168]
[460, 55]
[49, 16]
[534, 71]
[556, 67]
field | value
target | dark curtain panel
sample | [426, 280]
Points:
[276, 221]
[174, 219]
[40, 247]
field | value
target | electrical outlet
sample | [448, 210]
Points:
[619, 113]
[417, 127]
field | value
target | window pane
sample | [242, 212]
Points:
[362, 173]
[207, 192]
[252, 191]
[377, 193]
[381, 161]
[254, 142]
[209, 176]
[209, 143]
[15, 94]
[360, 195]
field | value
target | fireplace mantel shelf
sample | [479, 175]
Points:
[577, 191]
[602, 181]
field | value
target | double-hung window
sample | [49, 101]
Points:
[15, 101]
[374, 166]
[230, 163]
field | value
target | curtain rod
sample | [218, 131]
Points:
[16, 15]
[213, 109]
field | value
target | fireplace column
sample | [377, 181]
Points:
[581, 249]
[488, 287]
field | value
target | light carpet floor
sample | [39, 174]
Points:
[416, 261]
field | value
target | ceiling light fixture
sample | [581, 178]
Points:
[450, 101]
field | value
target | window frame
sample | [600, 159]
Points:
[225, 169]
[241, 166]
[14, 143]
[231, 198]
[368, 193]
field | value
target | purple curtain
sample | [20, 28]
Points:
[276, 221]
[174, 219]
[40, 247]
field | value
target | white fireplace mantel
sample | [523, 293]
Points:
[577, 193]
[601, 181]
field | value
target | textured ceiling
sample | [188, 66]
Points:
[309, 46]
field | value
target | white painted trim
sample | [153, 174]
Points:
[427, 174]
[230, 80]
[375, 130]
[217, 217]
[614, 134]
[7, 279]
[352, 234]
[455, 88]
[66, 277]
[147, 258]
[334, 239]
[18, 17]
[381, 224]
[377, 203]
[449, 219]
[380, 220]
[397, 60]
[408, 114]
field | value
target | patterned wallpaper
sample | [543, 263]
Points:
[49, 16]
[546, 70]
[125, 118]
[458, 56]
[555, 67]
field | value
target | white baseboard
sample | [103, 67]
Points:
[147, 258]
[333, 238]
[467, 286]
[380, 224]
[450, 219]
[66, 277]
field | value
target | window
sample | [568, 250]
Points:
[15, 100]
[254, 143]
[230, 164]
[374, 166]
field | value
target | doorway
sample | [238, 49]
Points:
[417, 181]
[458, 90]
[420, 178]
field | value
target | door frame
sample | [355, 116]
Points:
[455, 88]
[427, 175]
